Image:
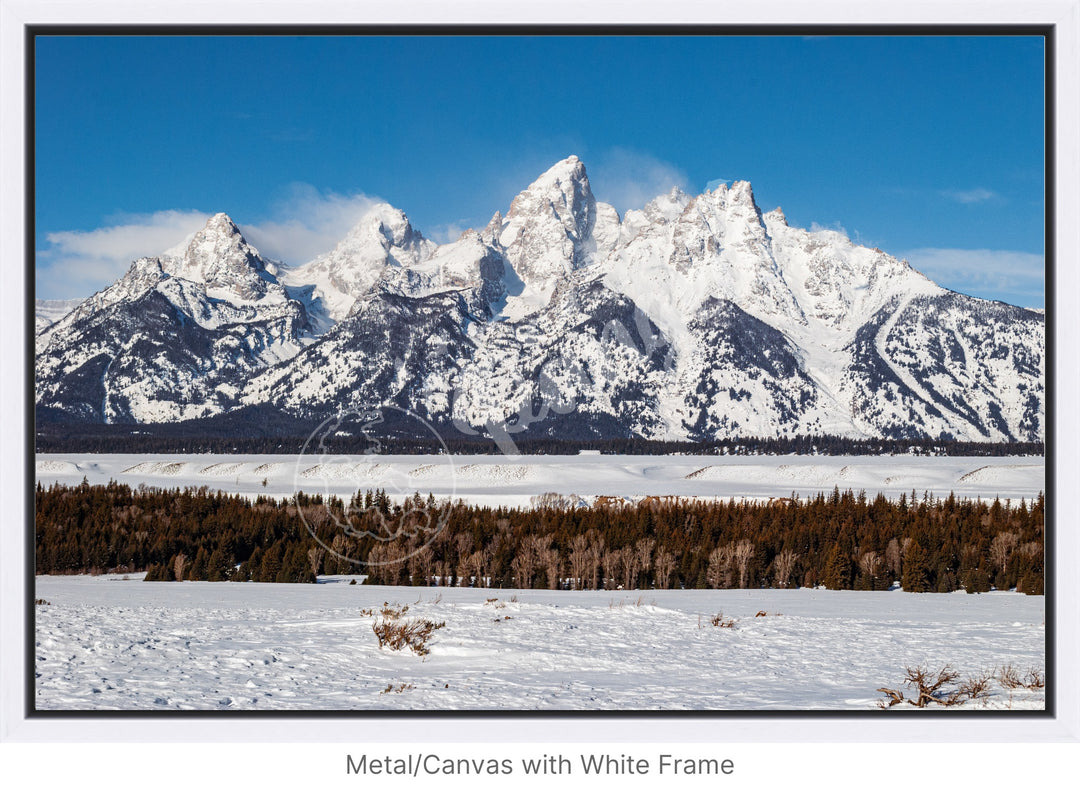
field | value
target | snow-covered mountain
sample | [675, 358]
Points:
[692, 318]
[174, 338]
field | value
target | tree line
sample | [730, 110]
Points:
[835, 540]
[275, 432]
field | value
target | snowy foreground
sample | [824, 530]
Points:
[513, 481]
[108, 643]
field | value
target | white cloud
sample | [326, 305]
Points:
[1015, 277]
[445, 233]
[972, 196]
[306, 224]
[629, 179]
[76, 263]
[834, 227]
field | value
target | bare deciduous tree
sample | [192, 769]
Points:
[315, 557]
[720, 574]
[664, 564]
[630, 567]
[420, 567]
[870, 564]
[893, 556]
[178, 566]
[524, 565]
[784, 564]
[643, 550]
[596, 558]
[1001, 547]
[1031, 549]
[579, 561]
[550, 563]
[473, 569]
[744, 552]
[612, 566]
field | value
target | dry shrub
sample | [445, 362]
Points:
[719, 621]
[42, 602]
[944, 687]
[387, 611]
[1034, 679]
[976, 687]
[931, 688]
[1009, 677]
[413, 634]
[394, 612]
[390, 688]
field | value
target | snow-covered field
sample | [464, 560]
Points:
[513, 481]
[109, 643]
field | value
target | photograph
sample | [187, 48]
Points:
[439, 396]
[563, 371]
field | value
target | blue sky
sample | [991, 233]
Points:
[930, 148]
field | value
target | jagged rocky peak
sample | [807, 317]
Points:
[548, 229]
[383, 236]
[735, 201]
[382, 241]
[219, 257]
[387, 225]
[775, 217]
[493, 229]
[667, 207]
[143, 274]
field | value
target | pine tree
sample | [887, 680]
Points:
[915, 577]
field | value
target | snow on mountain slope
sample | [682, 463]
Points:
[548, 233]
[383, 239]
[694, 317]
[172, 338]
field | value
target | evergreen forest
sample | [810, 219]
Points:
[835, 540]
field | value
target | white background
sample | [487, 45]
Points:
[772, 756]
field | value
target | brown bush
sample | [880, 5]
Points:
[719, 621]
[397, 634]
[1009, 677]
[1034, 679]
[944, 687]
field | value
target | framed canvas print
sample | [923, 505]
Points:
[538, 373]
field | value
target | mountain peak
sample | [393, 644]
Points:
[777, 215]
[570, 164]
[563, 177]
[219, 256]
[218, 235]
[222, 222]
[387, 225]
[549, 225]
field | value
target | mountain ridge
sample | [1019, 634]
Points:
[694, 318]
